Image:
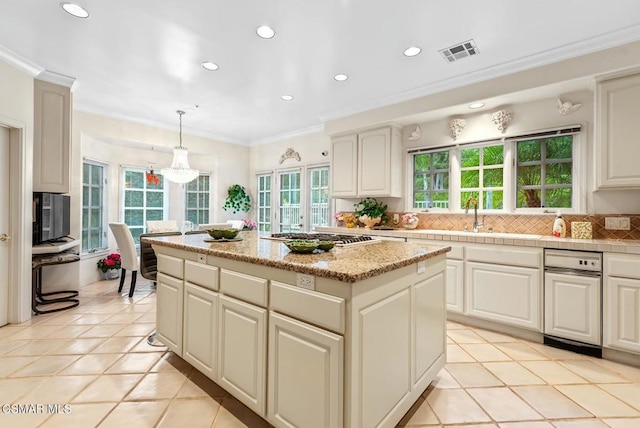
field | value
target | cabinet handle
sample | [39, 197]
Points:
[4, 237]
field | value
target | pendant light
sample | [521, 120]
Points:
[179, 171]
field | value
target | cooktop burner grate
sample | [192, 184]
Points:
[338, 239]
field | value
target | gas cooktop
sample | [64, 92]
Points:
[340, 240]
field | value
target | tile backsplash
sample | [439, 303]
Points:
[532, 224]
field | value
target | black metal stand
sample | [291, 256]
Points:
[38, 298]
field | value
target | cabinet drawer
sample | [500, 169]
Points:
[505, 255]
[201, 274]
[245, 287]
[170, 265]
[622, 265]
[316, 308]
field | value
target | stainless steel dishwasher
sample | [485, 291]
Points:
[573, 300]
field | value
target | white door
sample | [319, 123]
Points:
[318, 197]
[4, 225]
[289, 215]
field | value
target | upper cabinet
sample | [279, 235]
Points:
[367, 164]
[617, 135]
[52, 138]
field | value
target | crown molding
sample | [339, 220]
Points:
[19, 62]
[57, 79]
[280, 137]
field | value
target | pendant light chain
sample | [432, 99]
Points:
[180, 113]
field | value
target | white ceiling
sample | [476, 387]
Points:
[140, 60]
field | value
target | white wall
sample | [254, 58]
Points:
[16, 111]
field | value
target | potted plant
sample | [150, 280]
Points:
[370, 211]
[110, 266]
[237, 199]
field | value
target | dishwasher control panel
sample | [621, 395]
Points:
[570, 259]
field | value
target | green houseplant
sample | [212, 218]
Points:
[237, 199]
[370, 211]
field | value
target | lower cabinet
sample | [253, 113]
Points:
[622, 302]
[169, 300]
[307, 359]
[243, 352]
[506, 294]
[200, 337]
[455, 286]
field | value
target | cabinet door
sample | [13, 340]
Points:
[305, 375]
[51, 138]
[242, 354]
[617, 132]
[572, 307]
[455, 286]
[201, 329]
[506, 294]
[374, 163]
[622, 313]
[169, 298]
[344, 163]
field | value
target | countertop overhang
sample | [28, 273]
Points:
[346, 264]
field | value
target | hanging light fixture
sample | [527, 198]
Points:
[179, 171]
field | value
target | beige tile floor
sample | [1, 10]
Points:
[95, 359]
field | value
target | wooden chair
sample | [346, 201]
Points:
[128, 256]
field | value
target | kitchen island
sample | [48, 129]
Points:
[345, 338]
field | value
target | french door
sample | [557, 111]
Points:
[300, 198]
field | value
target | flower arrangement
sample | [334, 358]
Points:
[339, 216]
[348, 219]
[409, 218]
[112, 261]
[249, 224]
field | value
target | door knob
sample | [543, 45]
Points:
[4, 237]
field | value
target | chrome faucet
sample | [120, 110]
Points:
[474, 201]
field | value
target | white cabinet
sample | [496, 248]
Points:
[51, 138]
[506, 294]
[617, 135]
[344, 174]
[572, 307]
[367, 164]
[243, 352]
[200, 338]
[622, 302]
[169, 300]
[305, 375]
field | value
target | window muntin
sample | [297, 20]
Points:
[143, 201]
[482, 176]
[319, 214]
[544, 172]
[264, 203]
[431, 180]
[197, 195]
[93, 197]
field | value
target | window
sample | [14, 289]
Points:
[143, 201]
[264, 202]
[482, 176]
[544, 176]
[93, 197]
[289, 213]
[318, 197]
[431, 180]
[197, 200]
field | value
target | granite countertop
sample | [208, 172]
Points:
[347, 264]
[606, 245]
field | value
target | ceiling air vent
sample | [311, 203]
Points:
[459, 51]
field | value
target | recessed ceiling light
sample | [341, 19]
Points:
[340, 77]
[211, 66]
[287, 97]
[412, 51]
[265, 32]
[476, 105]
[75, 10]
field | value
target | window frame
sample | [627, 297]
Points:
[165, 198]
[103, 208]
[579, 172]
[481, 168]
[198, 192]
[260, 207]
[309, 195]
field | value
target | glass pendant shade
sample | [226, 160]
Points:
[180, 172]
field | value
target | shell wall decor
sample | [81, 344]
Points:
[456, 126]
[501, 119]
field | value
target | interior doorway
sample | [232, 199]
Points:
[4, 225]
